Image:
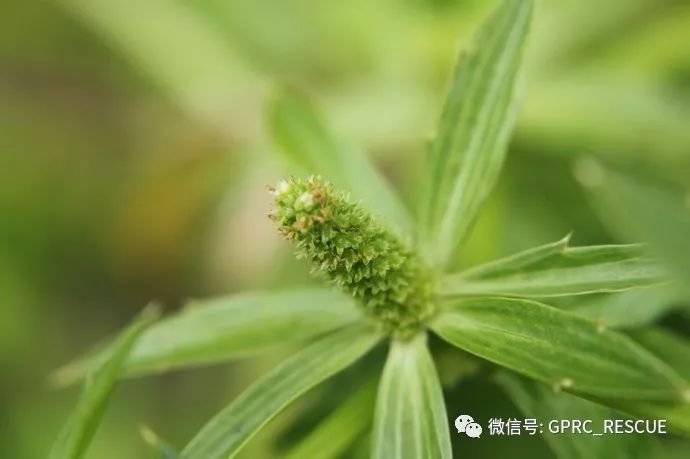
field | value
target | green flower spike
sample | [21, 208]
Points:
[343, 241]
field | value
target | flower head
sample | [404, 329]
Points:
[345, 243]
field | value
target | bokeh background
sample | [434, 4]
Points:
[134, 157]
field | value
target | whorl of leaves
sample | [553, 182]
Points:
[343, 241]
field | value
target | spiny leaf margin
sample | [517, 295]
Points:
[557, 269]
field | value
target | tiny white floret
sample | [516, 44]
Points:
[305, 201]
[283, 187]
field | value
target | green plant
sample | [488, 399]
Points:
[396, 273]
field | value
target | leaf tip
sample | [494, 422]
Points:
[565, 241]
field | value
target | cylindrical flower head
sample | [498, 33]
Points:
[343, 241]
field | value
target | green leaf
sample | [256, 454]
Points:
[639, 210]
[540, 402]
[467, 154]
[225, 434]
[620, 119]
[635, 308]
[228, 328]
[557, 270]
[182, 52]
[410, 420]
[307, 144]
[559, 348]
[76, 435]
[677, 414]
[334, 435]
[672, 348]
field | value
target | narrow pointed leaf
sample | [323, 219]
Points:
[467, 154]
[635, 308]
[331, 438]
[669, 346]
[182, 52]
[307, 144]
[411, 419]
[229, 327]
[76, 435]
[558, 270]
[673, 349]
[676, 414]
[540, 402]
[643, 211]
[567, 351]
[229, 430]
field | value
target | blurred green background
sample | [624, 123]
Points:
[134, 156]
